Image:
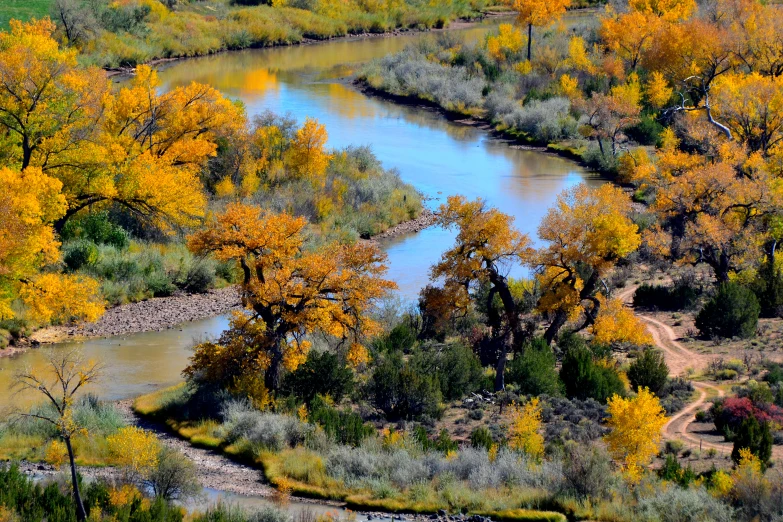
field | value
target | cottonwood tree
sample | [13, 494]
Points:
[632, 33]
[29, 202]
[68, 373]
[139, 148]
[751, 106]
[49, 106]
[537, 13]
[710, 210]
[289, 292]
[586, 233]
[487, 245]
[635, 425]
[609, 114]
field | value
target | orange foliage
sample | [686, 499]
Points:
[288, 291]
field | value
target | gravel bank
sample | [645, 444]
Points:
[426, 219]
[155, 314]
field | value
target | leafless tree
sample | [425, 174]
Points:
[66, 374]
[75, 19]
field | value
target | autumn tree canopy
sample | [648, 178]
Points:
[289, 293]
[29, 203]
[586, 233]
[537, 13]
[487, 245]
[138, 148]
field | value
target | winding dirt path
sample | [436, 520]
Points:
[680, 359]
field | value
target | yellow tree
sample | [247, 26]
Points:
[615, 323]
[537, 12]
[49, 106]
[289, 292]
[29, 203]
[751, 106]
[138, 148]
[506, 43]
[487, 245]
[69, 374]
[710, 210]
[628, 35]
[586, 233]
[691, 56]
[524, 431]
[307, 155]
[635, 425]
[135, 450]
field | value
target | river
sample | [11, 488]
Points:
[437, 156]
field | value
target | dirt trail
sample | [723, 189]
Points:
[680, 359]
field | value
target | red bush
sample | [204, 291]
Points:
[730, 413]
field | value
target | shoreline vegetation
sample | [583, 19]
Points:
[127, 34]
[160, 405]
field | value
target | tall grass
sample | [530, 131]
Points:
[211, 26]
[25, 437]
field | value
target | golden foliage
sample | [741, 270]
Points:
[524, 431]
[307, 156]
[539, 12]
[289, 291]
[486, 241]
[508, 42]
[657, 90]
[751, 105]
[29, 202]
[586, 228]
[134, 449]
[62, 298]
[636, 425]
[615, 323]
[56, 454]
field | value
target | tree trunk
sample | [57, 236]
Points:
[500, 368]
[81, 514]
[557, 323]
[274, 374]
[529, 39]
[601, 147]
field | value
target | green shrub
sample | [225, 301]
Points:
[533, 370]
[584, 378]
[681, 296]
[481, 437]
[674, 472]
[455, 366]
[96, 227]
[768, 288]
[401, 392]
[174, 476]
[587, 471]
[726, 375]
[322, 374]
[400, 338]
[646, 132]
[650, 370]
[79, 254]
[345, 427]
[756, 437]
[732, 312]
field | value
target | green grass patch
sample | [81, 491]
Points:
[22, 10]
